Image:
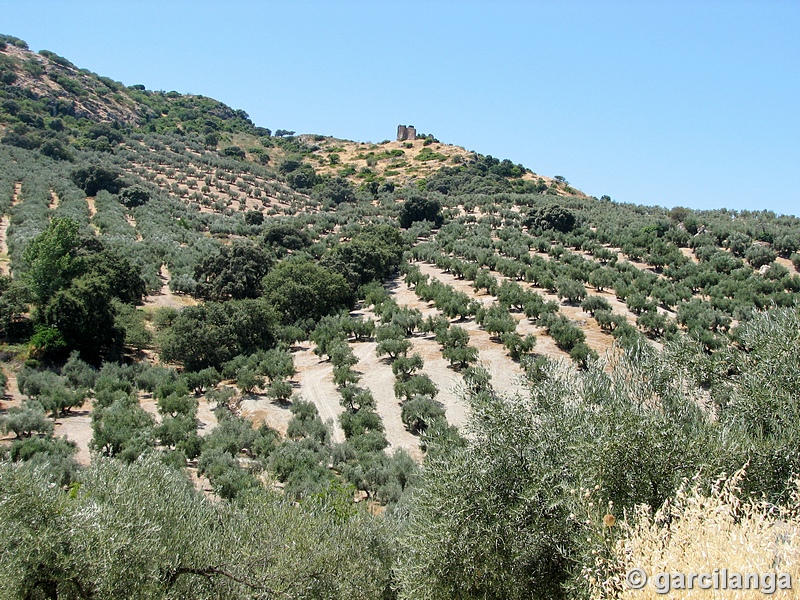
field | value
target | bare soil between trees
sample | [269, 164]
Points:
[314, 378]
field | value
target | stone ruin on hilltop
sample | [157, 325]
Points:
[406, 133]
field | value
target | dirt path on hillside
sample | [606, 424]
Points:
[5, 259]
[378, 378]
[449, 381]
[315, 383]
[132, 222]
[5, 222]
[436, 367]
[12, 397]
[206, 417]
[76, 426]
[165, 296]
[55, 201]
[92, 213]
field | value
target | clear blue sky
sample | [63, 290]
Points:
[670, 103]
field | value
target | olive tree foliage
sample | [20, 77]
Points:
[495, 516]
[115, 533]
[491, 519]
[23, 421]
[553, 217]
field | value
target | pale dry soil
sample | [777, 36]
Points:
[75, 425]
[405, 167]
[5, 221]
[315, 381]
[92, 212]
[377, 376]
[165, 296]
[262, 410]
[596, 339]
[435, 366]
[5, 260]
[54, 200]
[788, 264]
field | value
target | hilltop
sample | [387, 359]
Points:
[52, 105]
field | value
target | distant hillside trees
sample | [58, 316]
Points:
[304, 291]
[94, 178]
[419, 208]
[211, 334]
[72, 282]
[338, 190]
[373, 254]
[235, 273]
[553, 217]
[134, 196]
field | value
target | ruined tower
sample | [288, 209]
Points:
[406, 133]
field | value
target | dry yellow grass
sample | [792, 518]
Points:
[698, 533]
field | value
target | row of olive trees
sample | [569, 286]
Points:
[533, 500]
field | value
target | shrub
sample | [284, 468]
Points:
[564, 333]
[496, 320]
[419, 208]
[95, 178]
[517, 345]
[416, 385]
[460, 357]
[593, 304]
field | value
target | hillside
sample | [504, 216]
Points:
[351, 346]
[50, 104]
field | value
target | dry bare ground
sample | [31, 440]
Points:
[75, 425]
[787, 263]
[545, 345]
[436, 367]
[132, 222]
[262, 410]
[92, 213]
[5, 261]
[597, 339]
[689, 253]
[54, 200]
[5, 221]
[315, 379]
[377, 376]
[165, 296]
